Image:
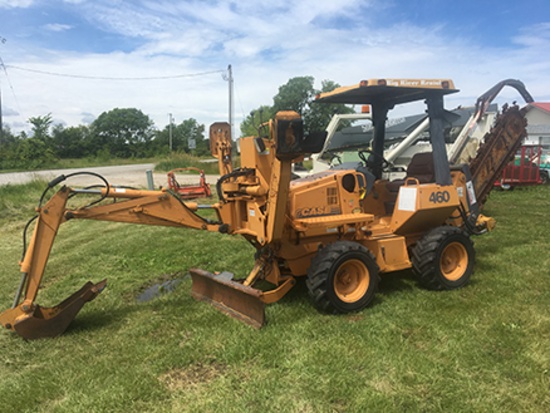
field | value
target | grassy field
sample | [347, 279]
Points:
[183, 160]
[69, 163]
[162, 163]
[484, 348]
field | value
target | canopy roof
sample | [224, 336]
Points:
[388, 91]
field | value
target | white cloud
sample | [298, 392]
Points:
[267, 43]
[9, 112]
[57, 27]
[13, 4]
[87, 117]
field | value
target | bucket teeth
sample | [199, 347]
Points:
[230, 297]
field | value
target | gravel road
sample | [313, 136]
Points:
[127, 175]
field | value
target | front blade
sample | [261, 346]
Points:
[232, 298]
[53, 321]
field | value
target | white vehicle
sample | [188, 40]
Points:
[465, 130]
[411, 137]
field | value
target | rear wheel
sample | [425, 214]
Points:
[342, 277]
[544, 177]
[444, 259]
[505, 187]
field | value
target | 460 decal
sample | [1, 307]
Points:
[440, 197]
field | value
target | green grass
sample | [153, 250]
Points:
[184, 160]
[89, 162]
[69, 163]
[484, 348]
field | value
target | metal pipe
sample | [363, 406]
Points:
[150, 183]
[87, 191]
[408, 141]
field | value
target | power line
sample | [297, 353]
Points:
[44, 72]
[4, 67]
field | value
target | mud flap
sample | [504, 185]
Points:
[51, 321]
[230, 297]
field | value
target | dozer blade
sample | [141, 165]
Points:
[50, 321]
[232, 298]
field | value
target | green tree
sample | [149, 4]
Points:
[7, 137]
[251, 124]
[71, 142]
[8, 145]
[298, 94]
[37, 150]
[319, 114]
[187, 131]
[295, 95]
[41, 126]
[123, 133]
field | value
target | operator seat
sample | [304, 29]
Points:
[421, 167]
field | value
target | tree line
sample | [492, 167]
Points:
[129, 133]
[298, 94]
[118, 133]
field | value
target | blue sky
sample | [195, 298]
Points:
[476, 43]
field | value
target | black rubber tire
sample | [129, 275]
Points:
[506, 187]
[341, 264]
[451, 244]
[544, 178]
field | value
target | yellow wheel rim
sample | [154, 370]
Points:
[454, 261]
[351, 281]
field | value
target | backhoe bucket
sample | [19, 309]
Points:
[230, 297]
[50, 321]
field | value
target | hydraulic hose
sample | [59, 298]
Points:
[55, 182]
[62, 178]
[235, 173]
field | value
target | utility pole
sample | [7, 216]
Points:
[229, 78]
[170, 131]
[2, 40]
[1, 124]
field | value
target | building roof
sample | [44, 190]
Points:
[542, 106]
[357, 137]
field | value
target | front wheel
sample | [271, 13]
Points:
[444, 259]
[342, 277]
[544, 177]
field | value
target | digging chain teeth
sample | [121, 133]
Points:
[498, 148]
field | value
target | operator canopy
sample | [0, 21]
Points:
[383, 95]
[388, 91]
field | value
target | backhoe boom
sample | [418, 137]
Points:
[141, 207]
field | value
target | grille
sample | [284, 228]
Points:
[332, 196]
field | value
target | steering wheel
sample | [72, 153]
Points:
[385, 163]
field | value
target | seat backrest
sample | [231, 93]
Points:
[421, 167]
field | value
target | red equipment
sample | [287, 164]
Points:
[189, 191]
[524, 170]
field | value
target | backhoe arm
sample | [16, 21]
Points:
[26, 318]
[253, 203]
[163, 208]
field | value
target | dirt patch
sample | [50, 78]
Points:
[192, 376]
[354, 317]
